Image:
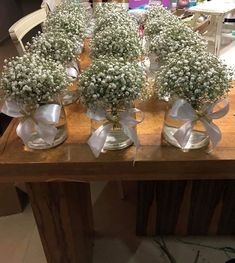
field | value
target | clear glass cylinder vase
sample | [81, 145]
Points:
[198, 137]
[116, 138]
[37, 142]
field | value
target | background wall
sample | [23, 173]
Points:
[13, 10]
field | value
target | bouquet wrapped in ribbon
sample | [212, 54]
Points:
[197, 84]
[110, 14]
[31, 88]
[173, 39]
[63, 49]
[108, 90]
[157, 19]
[115, 34]
[119, 41]
[56, 46]
[69, 18]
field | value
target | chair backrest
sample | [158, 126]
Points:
[24, 25]
[50, 5]
[203, 27]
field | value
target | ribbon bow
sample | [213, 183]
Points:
[182, 110]
[41, 121]
[99, 136]
[72, 70]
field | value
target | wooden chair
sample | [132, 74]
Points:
[203, 27]
[50, 5]
[24, 25]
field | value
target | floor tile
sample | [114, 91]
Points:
[34, 252]
[15, 232]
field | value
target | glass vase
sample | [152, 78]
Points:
[116, 138]
[37, 142]
[198, 137]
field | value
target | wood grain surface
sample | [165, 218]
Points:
[64, 218]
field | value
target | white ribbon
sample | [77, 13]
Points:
[42, 120]
[72, 70]
[182, 110]
[99, 136]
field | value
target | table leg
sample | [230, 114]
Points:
[63, 213]
[218, 33]
[195, 19]
[145, 198]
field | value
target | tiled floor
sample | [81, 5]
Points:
[115, 240]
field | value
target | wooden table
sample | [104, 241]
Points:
[58, 179]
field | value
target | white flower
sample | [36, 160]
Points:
[54, 45]
[157, 19]
[173, 39]
[123, 85]
[111, 14]
[70, 18]
[31, 80]
[194, 75]
[116, 41]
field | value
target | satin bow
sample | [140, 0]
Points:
[182, 110]
[42, 120]
[99, 136]
[72, 70]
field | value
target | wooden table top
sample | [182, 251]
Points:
[74, 161]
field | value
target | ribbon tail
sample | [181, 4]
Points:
[98, 138]
[219, 113]
[11, 109]
[213, 132]
[182, 110]
[72, 70]
[182, 135]
[46, 132]
[132, 134]
[25, 129]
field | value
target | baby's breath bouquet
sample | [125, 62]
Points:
[69, 18]
[54, 45]
[32, 80]
[108, 88]
[156, 11]
[198, 77]
[116, 41]
[58, 47]
[173, 39]
[79, 9]
[196, 82]
[31, 86]
[111, 14]
[105, 8]
[157, 19]
[111, 84]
